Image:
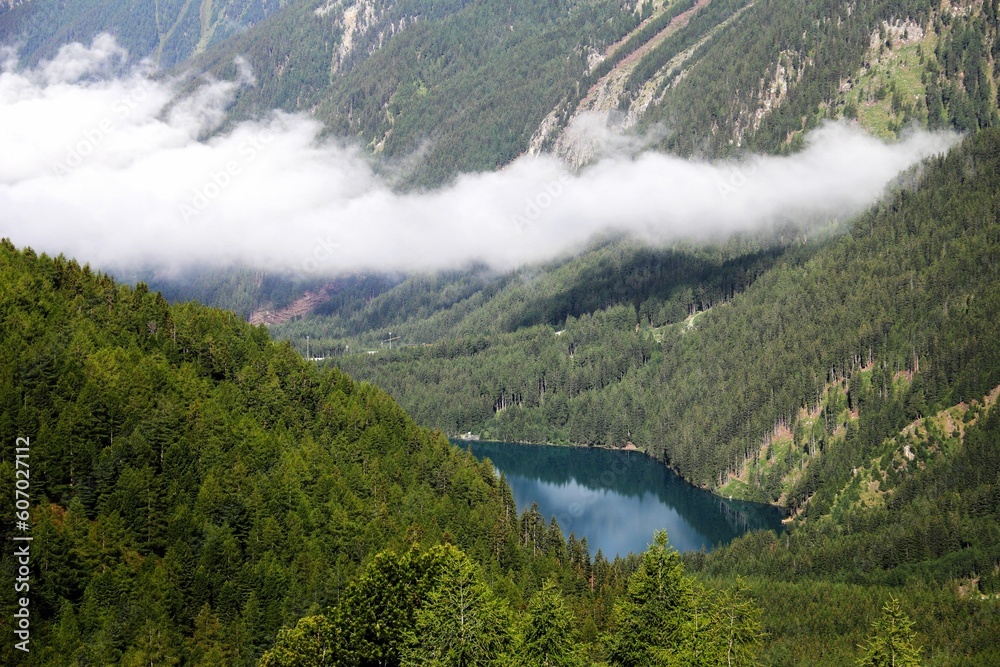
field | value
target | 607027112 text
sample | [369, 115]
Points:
[22, 543]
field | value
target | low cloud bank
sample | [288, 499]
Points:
[116, 170]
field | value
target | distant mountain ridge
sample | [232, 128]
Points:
[470, 85]
[205, 483]
[167, 32]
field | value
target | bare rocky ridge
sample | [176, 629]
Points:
[604, 96]
[304, 305]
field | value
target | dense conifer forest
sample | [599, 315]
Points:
[206, 496]
[202, 494]
[197, 487]
[704, 362]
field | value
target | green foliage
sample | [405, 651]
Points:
[313, 642]
[424, 607]
[650, 619]
[891, 643]
[665, 619]
[730, 77]
[814, 621]
[439, 604]
[931, 543]
[198, 486]
[379, 607]
[960, 75]
[462, 622]
[548, 634]
[936, 524]
[516, 378]
[725, 628]
[168, 32]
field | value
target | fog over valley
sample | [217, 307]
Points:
[109, 164]
[592, 333]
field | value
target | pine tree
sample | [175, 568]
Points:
[724, 629]
[313, 642]
[651, 619]
[380, 606]
[548, 635]
[461, 623]
[891, 642]
[207, 645]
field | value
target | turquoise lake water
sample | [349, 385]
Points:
[618, 499]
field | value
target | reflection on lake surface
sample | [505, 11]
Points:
[618, 499]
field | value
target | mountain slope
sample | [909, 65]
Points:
[195, 490]
[168, 32]
[188, 473]
[917, 518]
[908, 290]
[462, 85]
[471, 85]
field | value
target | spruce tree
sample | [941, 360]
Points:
[462, 622]
[891, 642]
[548, 632]
[651, 618]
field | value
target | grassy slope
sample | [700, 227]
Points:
[917, 522]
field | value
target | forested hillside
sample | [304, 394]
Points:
[203, 495]
[735, 76]
[920, 515]
[463, 85]
[469, 86]
[166, 32]
[191, 476]
[849, 379]
[706, 362]
[195, 488]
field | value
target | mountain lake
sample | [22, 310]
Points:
[617, 499]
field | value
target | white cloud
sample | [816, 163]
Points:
[76, 61]
[115, 171]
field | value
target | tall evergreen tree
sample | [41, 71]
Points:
[724, 629]
[462, 623]
[650, 620]
[548, 635]
[892, 640]
[313, 642]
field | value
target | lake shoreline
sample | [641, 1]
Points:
[455, 440]
[617, 500]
